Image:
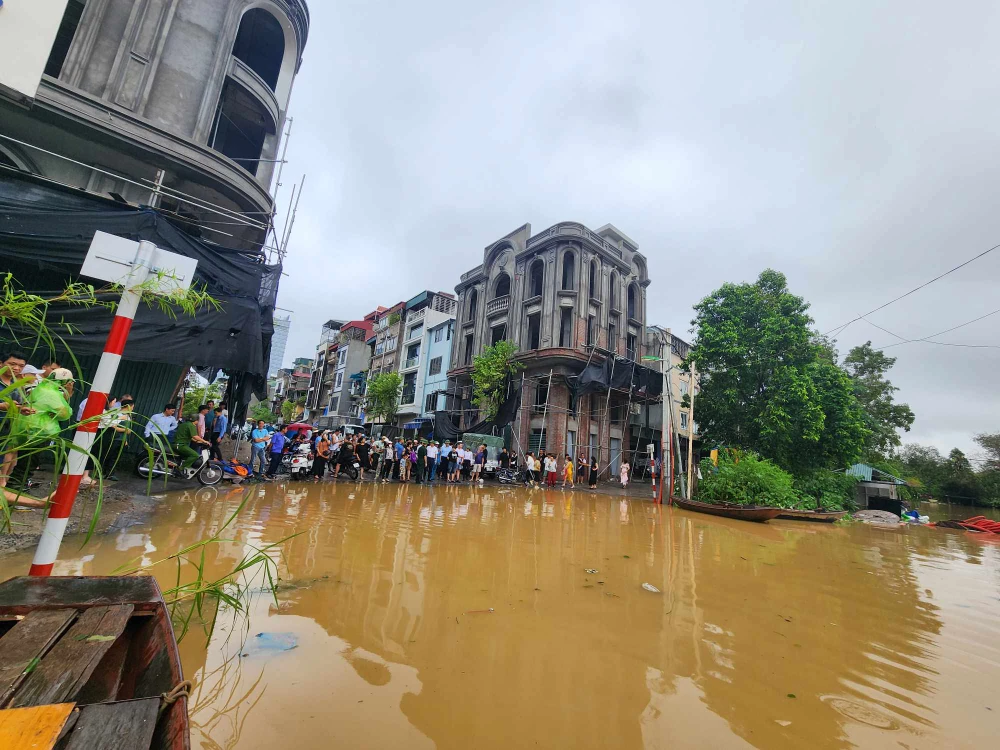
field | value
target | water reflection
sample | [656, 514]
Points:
[784, 635]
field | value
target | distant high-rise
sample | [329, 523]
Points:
[278, 343]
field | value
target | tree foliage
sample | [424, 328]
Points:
[382, 395]
[196, 395]
[883, 417]
[260, 411]
[746, 479]
[491, 371]
[768, 383]
[952, 478]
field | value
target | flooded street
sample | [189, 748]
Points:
[467, 618]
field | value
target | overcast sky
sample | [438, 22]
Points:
[852, 147]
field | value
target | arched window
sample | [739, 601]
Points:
[473, 303]
[613, 292]
[594, 286]
[502, 286]
[535, 278]
[260, 43]
[569, 271]
[242, 124]
[632, 302]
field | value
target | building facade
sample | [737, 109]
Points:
[349, 359]
[176, 104]
[423, 313]
[438, 360]
[566, 297]
[385, 337]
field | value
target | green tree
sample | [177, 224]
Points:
[991, 444]
[959, 481]
[382, 395]
[883, 417]
[196, 395]
[287, 410]
[491, 371]
[768, 383]
[260, 411]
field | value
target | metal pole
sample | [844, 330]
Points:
[288, 235]
[97, 400]
[691, 435]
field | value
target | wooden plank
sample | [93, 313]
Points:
[67, 667]
[24, 594]
[104, 682]
[123, 726]
[27, 642]
[37, 727]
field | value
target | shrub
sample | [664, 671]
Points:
[746, 479]
[826, 490]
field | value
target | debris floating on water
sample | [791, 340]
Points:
[591, 570]
[650, 587]
[479, 611]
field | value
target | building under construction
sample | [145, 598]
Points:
[573, 300]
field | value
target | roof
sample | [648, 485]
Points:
[867, 473]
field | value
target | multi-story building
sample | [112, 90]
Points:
[175, 104]
[384, 340]
[322, 375]
[567, 297]
[438, 360]
[424, 313]
[349, 359]
[279, 340]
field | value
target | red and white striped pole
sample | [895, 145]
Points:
[97, 400]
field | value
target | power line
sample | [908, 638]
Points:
[841, 329]
[927, 339]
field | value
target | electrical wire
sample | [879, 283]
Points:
[927, 339]
[841, 329]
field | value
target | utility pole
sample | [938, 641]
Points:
[691, 433]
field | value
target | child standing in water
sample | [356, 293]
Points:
[624, 473]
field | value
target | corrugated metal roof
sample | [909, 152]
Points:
[864, 472]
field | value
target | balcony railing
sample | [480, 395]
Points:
[408, 397]
[415, 336]
[414, 315]
[411, 363]
[498, 305]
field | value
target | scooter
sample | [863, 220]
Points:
[302, 461]
[165, 464]
[510, 476]
[349, 465]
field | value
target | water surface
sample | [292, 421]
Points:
[466, 618]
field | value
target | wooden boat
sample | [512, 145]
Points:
[757, 513]
[89, 662]
[823, 516]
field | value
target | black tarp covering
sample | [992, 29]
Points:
[45, 232]
[445, 430]
[623, 375]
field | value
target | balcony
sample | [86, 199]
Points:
[410, 364]
[409, 397]
[498, 305]
[414, 315]
[415, 336]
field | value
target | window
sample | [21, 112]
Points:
[591, 331]
[468, 348]
[613, 336]
[449, 331]
[594, 447]
[413, 351]
[340, 381]
[390, 344]
[64, 37]
[502, 286]
[592, 284]
[409, 388]
[473, 303]
[632, 304]
[536, 278]
[534, 330]
[242, 124]
[341, 357]
[541, 396]
[417, 330]
[260, 44]
[435, 368]
[536, 441]
[431, 402]
[439, 334]
[684, 420]
[630, 346]
[683, 387]
[566, 327]
[498, 334]
[569, 271]
[612, 294]
[571, 444]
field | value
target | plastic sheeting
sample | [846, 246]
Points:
[623, 375]
[445, 430]
[45, 232]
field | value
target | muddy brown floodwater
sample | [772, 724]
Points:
[500, 618]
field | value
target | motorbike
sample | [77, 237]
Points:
[511, 476]
[166, 464]
[301, 463]
[349, 465]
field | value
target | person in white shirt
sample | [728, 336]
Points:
[163, 423]
[432, 460]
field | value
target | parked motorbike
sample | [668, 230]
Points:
[349, 465]
[511, 476]
[165, 464]
[301, 463]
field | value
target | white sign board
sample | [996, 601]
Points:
[27, 30]
[110, 258]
